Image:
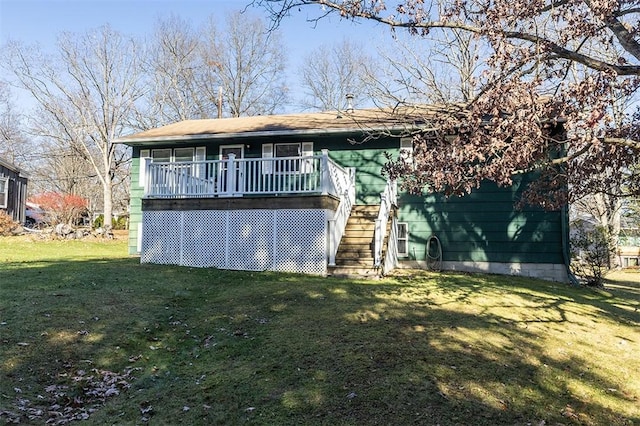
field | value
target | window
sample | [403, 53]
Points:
[406, 149]
[182, 155]
[403, 239]
[176, 155]
[161, 155]
[287, 150]
[179, 155]
[4, 191]
[282, 150]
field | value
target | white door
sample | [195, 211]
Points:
[238, 186]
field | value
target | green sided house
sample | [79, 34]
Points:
[304, 193]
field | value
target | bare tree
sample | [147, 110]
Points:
[186, 68]
[249, 63]
[439, 68]
[178, 82]
[85, 93]
[330, 72]
[14, 145]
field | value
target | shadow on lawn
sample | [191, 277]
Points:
[620, 301]
[289, 349]
[481, 365]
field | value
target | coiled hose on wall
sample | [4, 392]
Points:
[434, 253]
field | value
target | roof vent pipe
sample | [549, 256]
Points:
[349, 103]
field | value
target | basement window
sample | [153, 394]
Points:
[403, 239]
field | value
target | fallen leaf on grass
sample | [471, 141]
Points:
[135, 358]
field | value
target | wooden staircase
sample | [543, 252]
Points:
[355, 256]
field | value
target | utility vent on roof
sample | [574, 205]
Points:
[349, 103]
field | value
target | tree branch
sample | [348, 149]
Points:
[624, 142]
[625, 37]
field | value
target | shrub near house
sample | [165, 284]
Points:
[7, 225]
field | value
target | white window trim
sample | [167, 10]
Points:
[306, 150]
[142, 175]
[4, 196]
[405, 239]
[406, 149]
[267, 152]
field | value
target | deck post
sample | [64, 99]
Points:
[231, 174]
[332, 242]
[377, 258]
[324, 167]
[145, 175]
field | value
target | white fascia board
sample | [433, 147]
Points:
[265, 133]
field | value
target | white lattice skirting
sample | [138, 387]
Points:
[250, 240]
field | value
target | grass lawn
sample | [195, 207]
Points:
[88, 332]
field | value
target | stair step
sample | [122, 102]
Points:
[353, 271]
[355, 248]
[361, 220]
[366, 228]
[365, 211]
[359, 241]
[363, 262]
[365, 207]
[350, 236]
[355, 252]
[353, 226]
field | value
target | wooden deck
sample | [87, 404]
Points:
[282, 202]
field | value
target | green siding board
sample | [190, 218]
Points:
[528, 254]
[479, 216]
[476, 238]
[483, 226]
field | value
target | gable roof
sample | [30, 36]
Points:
[330, 122]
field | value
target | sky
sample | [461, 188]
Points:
[40, 21]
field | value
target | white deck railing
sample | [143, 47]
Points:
[235, 177]
[388, 199]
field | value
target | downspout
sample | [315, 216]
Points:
[565, 247]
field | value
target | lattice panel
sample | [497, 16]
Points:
[161, 237]
[301, 241]
[205, 234]
[251, 240]
[255, 240]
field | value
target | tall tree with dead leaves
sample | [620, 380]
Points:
[551, 63]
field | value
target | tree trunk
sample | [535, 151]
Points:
[107, 192]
